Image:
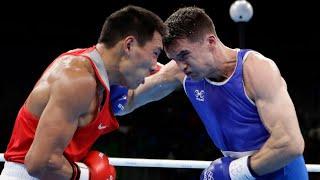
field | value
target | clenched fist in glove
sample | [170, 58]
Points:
[227, 168]
[94, 167]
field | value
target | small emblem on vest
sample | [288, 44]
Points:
[199, 94]
[101, 126]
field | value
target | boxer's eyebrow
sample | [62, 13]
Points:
[182, 54]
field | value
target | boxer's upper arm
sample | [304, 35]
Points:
[156, 87]
[270, 94]
[70, 96]
[276, 110]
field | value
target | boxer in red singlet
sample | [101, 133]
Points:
[69, 107]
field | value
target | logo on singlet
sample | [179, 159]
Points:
[121, 102]
[199, 94]
[101, 126]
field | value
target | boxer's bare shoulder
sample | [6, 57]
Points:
[66, 75]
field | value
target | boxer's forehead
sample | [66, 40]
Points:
[180, 48]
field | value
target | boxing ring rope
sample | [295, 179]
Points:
[166, 163]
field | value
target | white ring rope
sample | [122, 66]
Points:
[166, 163]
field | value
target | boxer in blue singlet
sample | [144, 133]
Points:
[238, 94]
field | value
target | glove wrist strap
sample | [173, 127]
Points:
[84, 171]
[75, 171]
[239, 169]
[254, 174]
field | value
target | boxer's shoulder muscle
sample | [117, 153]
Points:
[68, 76]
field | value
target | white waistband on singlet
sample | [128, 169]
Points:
[15, 171]
[236, 154]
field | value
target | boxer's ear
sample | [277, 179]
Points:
[128, 42]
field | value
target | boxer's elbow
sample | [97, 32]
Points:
[287, 143]
[296, 146]
[37, 165]
[166, 86]
[291, 146]
[32, 169]
[34, 165]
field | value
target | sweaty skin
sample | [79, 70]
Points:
[55, 100]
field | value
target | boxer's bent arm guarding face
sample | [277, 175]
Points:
[70, 96]
[156, 87]
[268, 89]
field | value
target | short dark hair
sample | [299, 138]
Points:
[131, 20]
[188, 23]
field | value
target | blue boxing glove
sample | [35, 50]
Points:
[227, 168]
[118, 97]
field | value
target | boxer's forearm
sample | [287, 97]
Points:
[155, 88]
[276, 153]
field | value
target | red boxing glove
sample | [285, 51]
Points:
[156, 69]
[98, 165]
